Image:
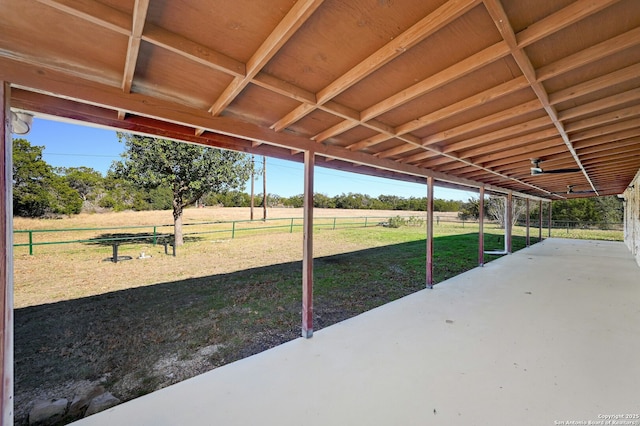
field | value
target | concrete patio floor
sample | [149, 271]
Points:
[547, 335]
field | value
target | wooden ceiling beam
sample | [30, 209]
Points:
[417, 157]
[115, 20]
[480, 124]
[615, 156]
[630, 145]
[493, 137]
[446, 76]
[554, 146]
[535, 77]
[135, 38]
[610, 117]
[561, 19]
[592, 54]
[298, 15]
[95, 12]
[405, 41]
[609, 138]
[451, 166]
[464, 105]
[368, 142]
[191, 50]
[458, 70]
[523, 141]
[617, 77]
[166, 111]
[398, 150]
[606, 130]
[435, 162]
[599, 105]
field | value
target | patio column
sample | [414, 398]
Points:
[508, 220]
[528, 240]
[550, 209]
[540, 220]
[6, 252]
[307, 251]
[430, 232]
[481, 227]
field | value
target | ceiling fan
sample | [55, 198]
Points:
[537, 170]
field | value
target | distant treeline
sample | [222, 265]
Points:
[342, 201]
[40, 190]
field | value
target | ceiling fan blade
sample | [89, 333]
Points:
[562, 171]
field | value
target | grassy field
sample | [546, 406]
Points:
[143, 324]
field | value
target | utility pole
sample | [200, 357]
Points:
[264, 187]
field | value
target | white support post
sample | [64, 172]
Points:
[6, 253]
[307, 255]
[430, 232]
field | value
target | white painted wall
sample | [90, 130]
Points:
[632, 217]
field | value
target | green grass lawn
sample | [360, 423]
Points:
[145, 338]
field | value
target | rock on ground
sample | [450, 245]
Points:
[83, 397]
[101, 403]
[48, 412]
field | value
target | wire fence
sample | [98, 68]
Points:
[29, 239]
[74, 238]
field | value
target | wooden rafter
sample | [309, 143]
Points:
[501, 20]
[418, 32]
[487, 143]
[298, 14]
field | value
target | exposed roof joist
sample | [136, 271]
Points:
[512, 78]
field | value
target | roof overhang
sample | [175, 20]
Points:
[465, 91]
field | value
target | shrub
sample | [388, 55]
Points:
[415, 221]
[396, 222]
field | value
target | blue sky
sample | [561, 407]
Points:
[71, 145]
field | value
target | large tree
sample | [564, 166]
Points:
[191, 171]
[85, 180]
[37, 190]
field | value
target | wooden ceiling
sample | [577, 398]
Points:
[466, 91]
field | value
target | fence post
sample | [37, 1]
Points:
[30, 243]
[366, 219]
[233, 230]
[291, 227]
[334, 223]
[154, 236]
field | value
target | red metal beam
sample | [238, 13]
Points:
[481, 227]
[550, 210]
[508, 221]
[540, 220]
[430, 232]
[6, 253]
[307, 256]
[528, 218]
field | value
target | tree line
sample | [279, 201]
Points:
[607, 209]
[157, 174]
[134, 183]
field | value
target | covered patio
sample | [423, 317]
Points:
[531, 99]
[547, 334]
